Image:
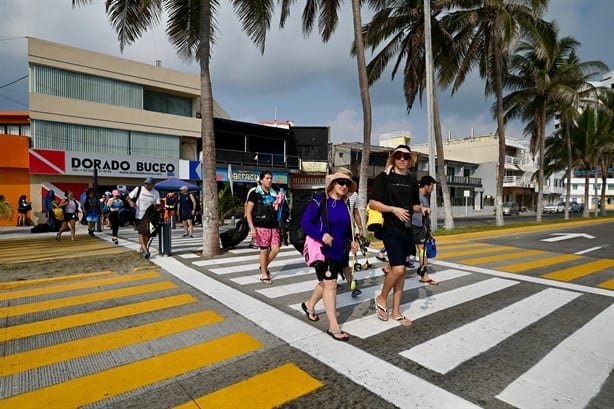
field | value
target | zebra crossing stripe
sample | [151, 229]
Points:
[572, 373]
[20, 309]
[369, 326]
[447, 351]
[290, 382]
[368, 293]
[501, 257]
[277, 275]
[254, 266]
[284, 290]
[228, 260]
[572, 273]
[542, 262]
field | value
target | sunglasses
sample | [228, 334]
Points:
[402, 155]
[342, 182]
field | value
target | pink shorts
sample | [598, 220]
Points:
[267, 237]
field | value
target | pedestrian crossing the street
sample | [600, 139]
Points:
[510, 309]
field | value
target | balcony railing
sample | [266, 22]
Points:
[269, 160]
[464, 180]
[518, 181]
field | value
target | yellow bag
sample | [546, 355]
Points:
[58, 212]
[375, 220]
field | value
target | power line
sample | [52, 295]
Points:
[12, 82]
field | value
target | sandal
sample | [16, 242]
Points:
[429, 281]
[402, 318]
[381, 312]
[266, 280]
[381, 258]
[310, 313]
[338, 335]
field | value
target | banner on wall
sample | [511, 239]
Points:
[237, 175]
[307, 182]
[54, 162]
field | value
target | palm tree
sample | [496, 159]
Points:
[590, 136]
[540, 81]
[191, 29]
[5, 208]
[400, 24]
[486, 32]
[607, 157]
[327, 16]
[576, 79]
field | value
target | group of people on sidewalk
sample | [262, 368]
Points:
[328, 220]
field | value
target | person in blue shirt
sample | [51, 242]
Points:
[334, 231]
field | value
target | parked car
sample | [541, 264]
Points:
[574, 207]
[510, 208]
[551, 208]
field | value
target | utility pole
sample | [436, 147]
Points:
[428, 55]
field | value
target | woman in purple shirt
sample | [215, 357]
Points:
[334, 230]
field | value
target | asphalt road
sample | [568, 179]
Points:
[520, 319]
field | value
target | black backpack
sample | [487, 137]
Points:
[297, 233]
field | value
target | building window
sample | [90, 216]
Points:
[68, 84]
[165, 103]
[79, 138]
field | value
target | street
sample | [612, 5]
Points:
[517, 319]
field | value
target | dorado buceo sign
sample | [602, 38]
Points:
[80, 163]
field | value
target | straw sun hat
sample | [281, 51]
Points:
[339, 175]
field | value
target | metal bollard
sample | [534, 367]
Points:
[164, 239]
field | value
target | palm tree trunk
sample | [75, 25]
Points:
[604, 184]
[569, 165]
[366, 107]
[501, 135]
[448, 223]
[586, 188]
[541, 140]
[211, 242]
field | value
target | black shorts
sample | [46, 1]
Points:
[398, 245]
[70, 216]
[419, 234]
[330, 270]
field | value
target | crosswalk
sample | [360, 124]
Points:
[103, 338]
[467, 332]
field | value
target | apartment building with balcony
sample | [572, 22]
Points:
[479, 156]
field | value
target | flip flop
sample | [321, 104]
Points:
[429, 281]
[335, 334]
[309, 313]
[381, 312]
[402, 318]
[266, 280]
[382, 258]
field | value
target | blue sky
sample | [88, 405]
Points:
[299, 79]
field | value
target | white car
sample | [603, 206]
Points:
[551, 208]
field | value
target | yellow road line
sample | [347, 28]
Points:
[461, 246]
[542, 262]
[607, 284]
[490, 249]
[582, 270]
[92, 317]
[36, 358]
[34, 292]
[40, 281]
[112, 382]
[501, 257]
[38, 306]
[257, 392]
[108, 252]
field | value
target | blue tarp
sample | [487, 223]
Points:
[175, 184]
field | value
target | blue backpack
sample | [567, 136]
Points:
[430, 245]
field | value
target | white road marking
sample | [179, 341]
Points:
[588, 250]
[447, 351]
[369, 326]
[567, 236]
[572, 373]
[528, 279]
[283, 262]
[374, 374]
